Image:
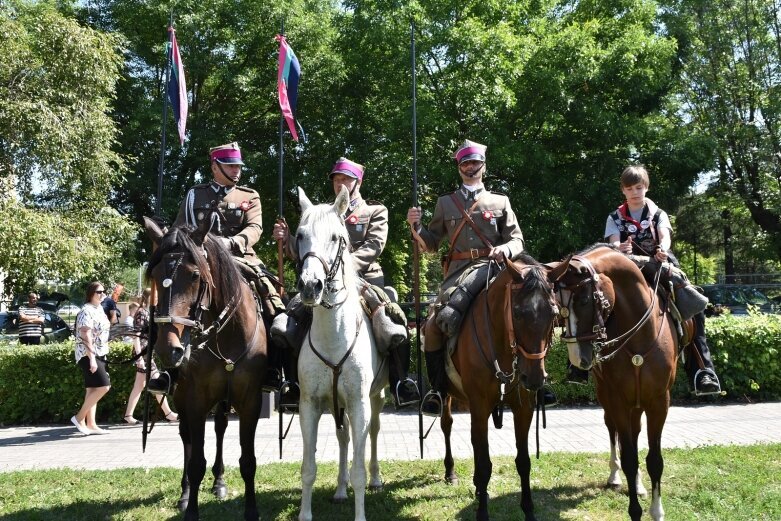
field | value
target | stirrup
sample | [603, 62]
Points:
[697, 392]
[160, 389]
[290, 407]
[269, 386]
[427, 399]
[416, 398]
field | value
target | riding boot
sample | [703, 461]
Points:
[450, 316]
[164, 383]
[699, 365]
[290, 393]
[273, 377]
[405, 390]
[437, 377]
[576, 375]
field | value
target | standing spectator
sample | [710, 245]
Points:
[139, 317]
[30, 321]
[109, 304]
[92, 328]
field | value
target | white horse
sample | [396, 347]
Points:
[339, 366]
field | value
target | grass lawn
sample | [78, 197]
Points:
[709, 483]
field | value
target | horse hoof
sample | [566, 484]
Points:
[338, 500]
[451, 479]
[613, 486]
[375, 488]
[220, 491]
[182, 505]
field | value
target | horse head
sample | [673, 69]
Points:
[322, 243]
[530, 312]
[586, 297]
[182, 268]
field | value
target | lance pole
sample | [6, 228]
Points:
[415, 246]
[281, 209]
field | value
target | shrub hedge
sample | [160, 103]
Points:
[42, 384]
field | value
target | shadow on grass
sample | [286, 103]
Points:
[83, 510]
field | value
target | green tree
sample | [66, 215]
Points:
[57, 81]
[731, 54]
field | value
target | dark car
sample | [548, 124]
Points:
[738, 298]
[54, 327]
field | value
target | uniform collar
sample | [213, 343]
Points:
[355, 203]
[217, 187]
[472, 192]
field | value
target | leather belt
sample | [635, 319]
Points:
[470, 254]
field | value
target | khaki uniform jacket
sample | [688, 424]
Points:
[240, 206]
[493, 216]
[367, 226]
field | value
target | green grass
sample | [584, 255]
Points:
[709, 483]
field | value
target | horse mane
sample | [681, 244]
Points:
[596, 246]
[537, 277]
[218, 268]
[320, 218]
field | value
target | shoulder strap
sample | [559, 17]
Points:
[467, 219]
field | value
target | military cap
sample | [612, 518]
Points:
[470, 151]
[347, 167]
[229, 154]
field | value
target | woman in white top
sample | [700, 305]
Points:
[92, 329]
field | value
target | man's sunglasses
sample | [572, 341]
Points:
[101, 291]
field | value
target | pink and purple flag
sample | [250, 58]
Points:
[177, 90]
[287, 84]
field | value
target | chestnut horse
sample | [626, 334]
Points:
[211, 328]
[620, 328]
[500, 359]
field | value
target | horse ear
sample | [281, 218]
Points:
[199, 236]
[556, 270]
[303, 201]
[153, 231]
[514, 270]
[342, 201]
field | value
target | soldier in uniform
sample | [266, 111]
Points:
[495, 234]
[367, 226]
[239, 228]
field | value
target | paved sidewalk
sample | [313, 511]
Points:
[568, 429]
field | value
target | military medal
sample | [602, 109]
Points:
[244, 206]
[231, 206]
[353, 219]
[487, 215]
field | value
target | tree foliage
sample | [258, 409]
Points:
[57, 165]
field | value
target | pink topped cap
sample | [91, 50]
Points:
[347, 167]
[470, 151]
[229, 154]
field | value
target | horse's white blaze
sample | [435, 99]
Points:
[332, 332]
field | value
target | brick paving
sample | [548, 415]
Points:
[568, 430]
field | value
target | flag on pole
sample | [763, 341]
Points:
[177, 90]
[287, 84]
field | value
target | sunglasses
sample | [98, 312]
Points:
[101, 291]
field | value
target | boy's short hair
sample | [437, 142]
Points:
[634, 174]
[133, 305]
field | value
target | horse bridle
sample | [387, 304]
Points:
[330, 271]
[192, 323]
[602, 310]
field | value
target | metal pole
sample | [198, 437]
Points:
[415, 247]
[169, 49]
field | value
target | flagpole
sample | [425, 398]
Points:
[415, 246]
[281, 214]
[169, 52]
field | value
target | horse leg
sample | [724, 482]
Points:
[308, 417]
[630, 465]
[219, 488]
[446, 422]
[342, 476]
[614, 480]
[196, 467]
[483, 465]
[636, 428]
[522, 419]
[654, 461]
[375, 479]
[359, 423]
[249, 413]
[184, 434]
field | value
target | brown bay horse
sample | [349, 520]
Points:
[619, 327]
[500, 359]
[210, 327]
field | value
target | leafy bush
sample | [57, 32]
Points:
[43, 384]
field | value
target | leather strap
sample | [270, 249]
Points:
[471, 254]
[457, 255]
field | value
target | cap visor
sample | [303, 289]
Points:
[472, 157]
[230, 161]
